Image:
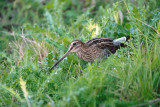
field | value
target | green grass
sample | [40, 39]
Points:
[34, 35]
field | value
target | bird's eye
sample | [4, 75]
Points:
[74, 44]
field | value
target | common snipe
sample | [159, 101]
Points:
[97, 48]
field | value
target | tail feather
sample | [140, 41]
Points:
[127, 38]
[120, 40]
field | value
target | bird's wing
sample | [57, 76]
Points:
[99, 40]
[105, 43]
[108, 46]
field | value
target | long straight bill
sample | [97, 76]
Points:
[61, 59]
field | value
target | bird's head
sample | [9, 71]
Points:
[75, 46]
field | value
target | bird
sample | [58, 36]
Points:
[96, 48]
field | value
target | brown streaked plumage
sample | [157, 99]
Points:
[97, 48]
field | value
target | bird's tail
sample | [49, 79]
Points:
[120, 40]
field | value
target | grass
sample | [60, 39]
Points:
[35, 38]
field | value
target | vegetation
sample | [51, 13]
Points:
[34, 35]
